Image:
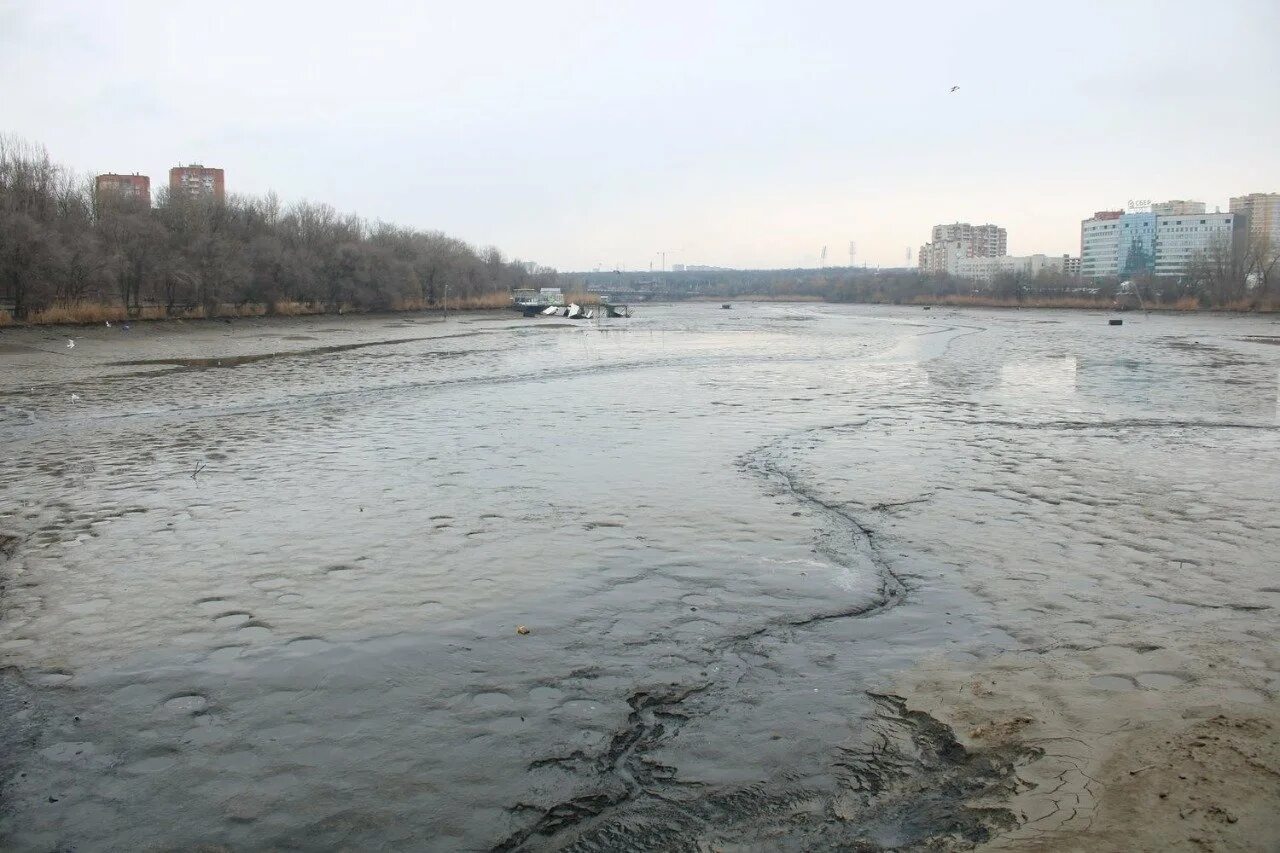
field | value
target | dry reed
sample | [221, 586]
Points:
[87, 313]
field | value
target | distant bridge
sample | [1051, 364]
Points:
[627, 296]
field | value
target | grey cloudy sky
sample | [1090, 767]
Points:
[729, 133]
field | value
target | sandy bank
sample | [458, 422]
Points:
[1188, 762]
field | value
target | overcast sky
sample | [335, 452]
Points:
[734, 133]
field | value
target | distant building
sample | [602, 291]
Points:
[944, 256]
[959, 240]
[1263, 211]
[1136, 244]
[1179, 239]
[677, 267]
[985, 269]
[1098, 241]
[988, 241]
[1115, 243]
[196, 181]
[1177, 207]
[132, 187]
[1071, 266]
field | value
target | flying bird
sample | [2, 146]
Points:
[955, 88]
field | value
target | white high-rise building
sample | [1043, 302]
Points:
[943, 257]
[1263, 210]
[961, 240]
[988, 241]
[1099, 239]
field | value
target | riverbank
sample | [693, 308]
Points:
[92, 313]
[1185, 305]
[89, 313]
[96, 313]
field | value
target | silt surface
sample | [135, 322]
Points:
[262, 580]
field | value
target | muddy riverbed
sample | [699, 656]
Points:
[792, 576]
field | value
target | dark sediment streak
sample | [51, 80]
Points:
[906, 787]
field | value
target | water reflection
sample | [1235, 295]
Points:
[1039, 378]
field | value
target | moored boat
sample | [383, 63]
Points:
[532, 302]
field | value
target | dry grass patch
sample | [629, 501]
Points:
[481, 302]
[80, 313]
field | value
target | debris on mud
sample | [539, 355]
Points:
[909, 785]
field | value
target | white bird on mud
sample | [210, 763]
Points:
[70, 343]
[108, 324]
[75, 398]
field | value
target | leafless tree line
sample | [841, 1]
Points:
[1235, 272]
[61, 245]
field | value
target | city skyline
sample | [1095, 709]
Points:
[743, 137]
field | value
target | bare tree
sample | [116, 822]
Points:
[135, 244]
[1262, 265]
[1218, 273]
[60, 240]
[29, 248]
